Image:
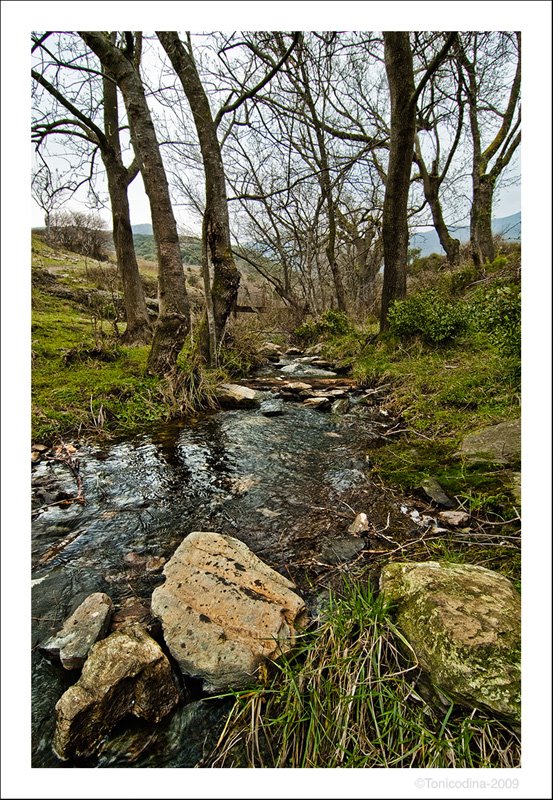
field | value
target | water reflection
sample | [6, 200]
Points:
[236, 472]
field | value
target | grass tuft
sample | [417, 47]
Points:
[349, 696]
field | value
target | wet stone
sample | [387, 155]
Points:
[127, 673]
[341, 550]
[271, 408]
[88, 623]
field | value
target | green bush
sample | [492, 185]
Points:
[496, 311]
[330, 323]
[428, 315]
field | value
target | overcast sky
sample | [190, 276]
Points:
[506, 200]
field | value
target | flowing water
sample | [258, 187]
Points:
[284, 485]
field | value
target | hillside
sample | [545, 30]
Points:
[507, 227]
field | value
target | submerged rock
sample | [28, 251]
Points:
[463, 623]
[344, 548]
[88, 623]
[224, 611]
[127, 673]
[499, 444]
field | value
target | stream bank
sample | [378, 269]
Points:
[289, 485]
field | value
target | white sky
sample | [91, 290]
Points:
[506, 200]
[534, 19]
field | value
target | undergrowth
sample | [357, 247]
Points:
[349, 696]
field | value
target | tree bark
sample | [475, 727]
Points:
[173, 322]
[226, 277]
[431, 187]
[138, 322]
[395, 234]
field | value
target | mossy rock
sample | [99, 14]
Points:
[499, 444]
[463, 623]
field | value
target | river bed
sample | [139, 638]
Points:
[285, 485]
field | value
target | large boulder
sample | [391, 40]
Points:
[127, 673]
[86, 625]
[463, 623]
[224, 611]
[499, 444]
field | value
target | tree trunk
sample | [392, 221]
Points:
[451, 245]
[395, 233]
[481, 235]
[138, 321]
[226, 277]
[173, 322]
[118, 176]
[431, 187]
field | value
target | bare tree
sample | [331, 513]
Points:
[404, 96]
[173, 322]
[485, 59]
[73, 118]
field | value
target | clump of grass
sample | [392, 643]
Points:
[348, 697]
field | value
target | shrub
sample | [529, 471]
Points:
[429, 315]
[496, 311]
[330, 323]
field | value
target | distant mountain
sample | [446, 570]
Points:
[507, 227]
[145, 228]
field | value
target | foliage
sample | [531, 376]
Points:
[427, 314]
[497, 311]
[330, 323]
[349, 697]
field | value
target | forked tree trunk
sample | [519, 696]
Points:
[173, 322]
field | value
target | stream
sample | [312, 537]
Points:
[285, 485]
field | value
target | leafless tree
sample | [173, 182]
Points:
[84, 108]
[173, 322]
[493, 96]
[404, 96]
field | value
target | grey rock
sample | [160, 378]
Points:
[224, 612]
[127, 673]
[435, 492]
[270, 350]
[463, 623]
[271, 408]
[343, 479]
[499, 444]
[320, 403]
[88, 623]
[342, 549]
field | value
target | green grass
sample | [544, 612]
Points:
[84, 382]
[349, 697]
[439, 394]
